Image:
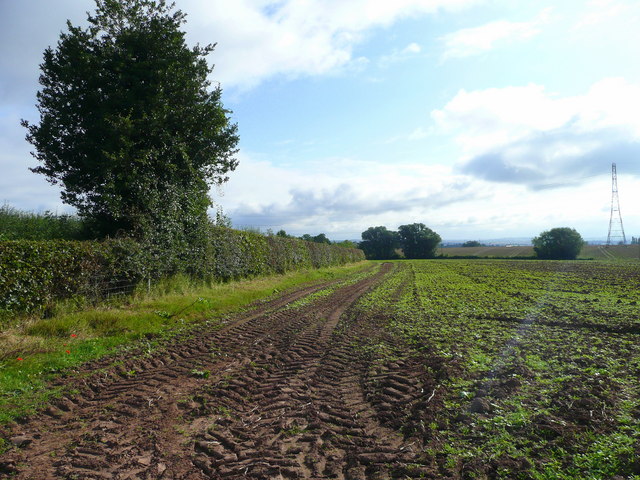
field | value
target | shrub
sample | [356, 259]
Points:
[558, 243]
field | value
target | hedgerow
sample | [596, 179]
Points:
[34, 275]
[19, 225]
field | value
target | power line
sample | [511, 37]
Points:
[572, 182]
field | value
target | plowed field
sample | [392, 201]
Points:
[427, 369]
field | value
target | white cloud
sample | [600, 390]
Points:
[601, 11]
[419, 133]
[527, 135]
[487, 118]
[473, 41]
[259, 39]
[407, 52]
[412, 48]
[342, 195]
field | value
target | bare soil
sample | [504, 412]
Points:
[280, 392]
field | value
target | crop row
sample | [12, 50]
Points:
[534, 365]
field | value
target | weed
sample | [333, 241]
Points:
[223, 411]
[200, 373]
[293, 431]
[5, 446]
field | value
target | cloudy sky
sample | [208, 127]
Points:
[482, 119]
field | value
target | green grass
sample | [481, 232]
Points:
[33, 351]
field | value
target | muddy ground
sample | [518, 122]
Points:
[282, 392]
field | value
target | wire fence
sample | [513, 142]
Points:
[103, 287]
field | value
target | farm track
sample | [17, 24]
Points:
[277, 393]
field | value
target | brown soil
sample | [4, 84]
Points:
[279, 393]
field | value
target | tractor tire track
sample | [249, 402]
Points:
[305, 414]
[153, 417]
[122, 395]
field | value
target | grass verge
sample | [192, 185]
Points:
[34, 351]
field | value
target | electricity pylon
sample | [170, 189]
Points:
[616, 230]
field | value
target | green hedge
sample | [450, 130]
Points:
[36, 274]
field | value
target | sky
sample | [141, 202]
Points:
[482, 119]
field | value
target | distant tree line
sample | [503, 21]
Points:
[320, 238]
[410, 241]
[635, 240]
[416, 241]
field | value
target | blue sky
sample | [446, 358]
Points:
[481, 119]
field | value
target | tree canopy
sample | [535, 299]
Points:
[418, 241]
[558, 243]
[378, 243]
[320, 238]
[129, 124]
[472, 243]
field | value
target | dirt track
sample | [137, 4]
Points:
[280, 393]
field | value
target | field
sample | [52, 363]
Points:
[596, 252]
[413, 369]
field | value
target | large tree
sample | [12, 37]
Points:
[379, 243]
[418, 241]
[130, 127]
[558, 243]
